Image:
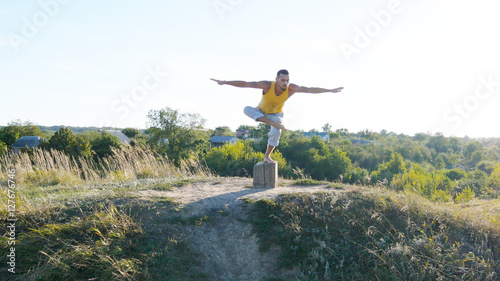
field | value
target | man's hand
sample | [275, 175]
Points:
[264, 85]
[218, 81]
[337, 90]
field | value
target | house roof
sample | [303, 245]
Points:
[223, 139]
[28, 141]
[123, 138]
[310, 134]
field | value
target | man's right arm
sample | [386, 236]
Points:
[264, 85]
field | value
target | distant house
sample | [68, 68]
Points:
[222, 140]
[361, 142]
[324, 136]
[123, 138]
[26, 142]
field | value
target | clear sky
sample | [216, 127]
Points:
[407, 66]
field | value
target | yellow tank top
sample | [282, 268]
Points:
[271, 103]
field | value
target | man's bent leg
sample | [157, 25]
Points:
[274, 134]
[274, 137]
[272, 123]
[267, 156]
[257, 115]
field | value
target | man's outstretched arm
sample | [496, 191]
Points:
[243, 84]
[312, 90]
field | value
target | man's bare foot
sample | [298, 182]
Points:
[268, 159]
[280, 126]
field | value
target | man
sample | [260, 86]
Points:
[270, 108]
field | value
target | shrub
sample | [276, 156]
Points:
[423, 183]
[455, 174]
[237, 159]
[388, 169]
[465, 196]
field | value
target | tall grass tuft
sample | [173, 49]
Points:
[43, 167]
[101, 244]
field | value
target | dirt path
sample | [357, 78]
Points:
[228, 247]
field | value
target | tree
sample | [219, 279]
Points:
[82, 147]
[244, 129]
[131, 132]
[175, 134]
[476, 157]
[439, 162]
[472, 147]
[16, 129]
[331, 166]
[3, 148]
[63, 140]
[485, 166]
[387, 170]
[366, 134]
[327, 128]
[455, 174]
[342, 131]
[223, 131]
[103, 144]
[439, 143]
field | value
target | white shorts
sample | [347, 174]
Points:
[275, 133]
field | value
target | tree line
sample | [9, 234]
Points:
[437, 167]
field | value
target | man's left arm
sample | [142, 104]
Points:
[312, 90]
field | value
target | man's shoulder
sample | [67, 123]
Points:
[293, 87]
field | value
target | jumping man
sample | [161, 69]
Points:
[270, 108]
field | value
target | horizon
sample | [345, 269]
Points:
[297, 130]
[406, 66]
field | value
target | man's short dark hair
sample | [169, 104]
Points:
[283, 71]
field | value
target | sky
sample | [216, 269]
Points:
[407, 66]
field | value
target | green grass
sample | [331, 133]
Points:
[98, 231]
[169, 185]
[376, 236]
[307, 181]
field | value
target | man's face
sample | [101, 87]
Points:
[282, 81]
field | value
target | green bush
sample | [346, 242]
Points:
[465, 196]
[431, 185]
[238, 159]
[388, 169]
[3, 148]
[455, 174]
[357, 175]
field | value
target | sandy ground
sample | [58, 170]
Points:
[228, 246]
[222, 193]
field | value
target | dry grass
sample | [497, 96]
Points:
[54, 167]
[48, 180]
[62, 235]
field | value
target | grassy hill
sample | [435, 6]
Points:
[137, 217]
[106, 231]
